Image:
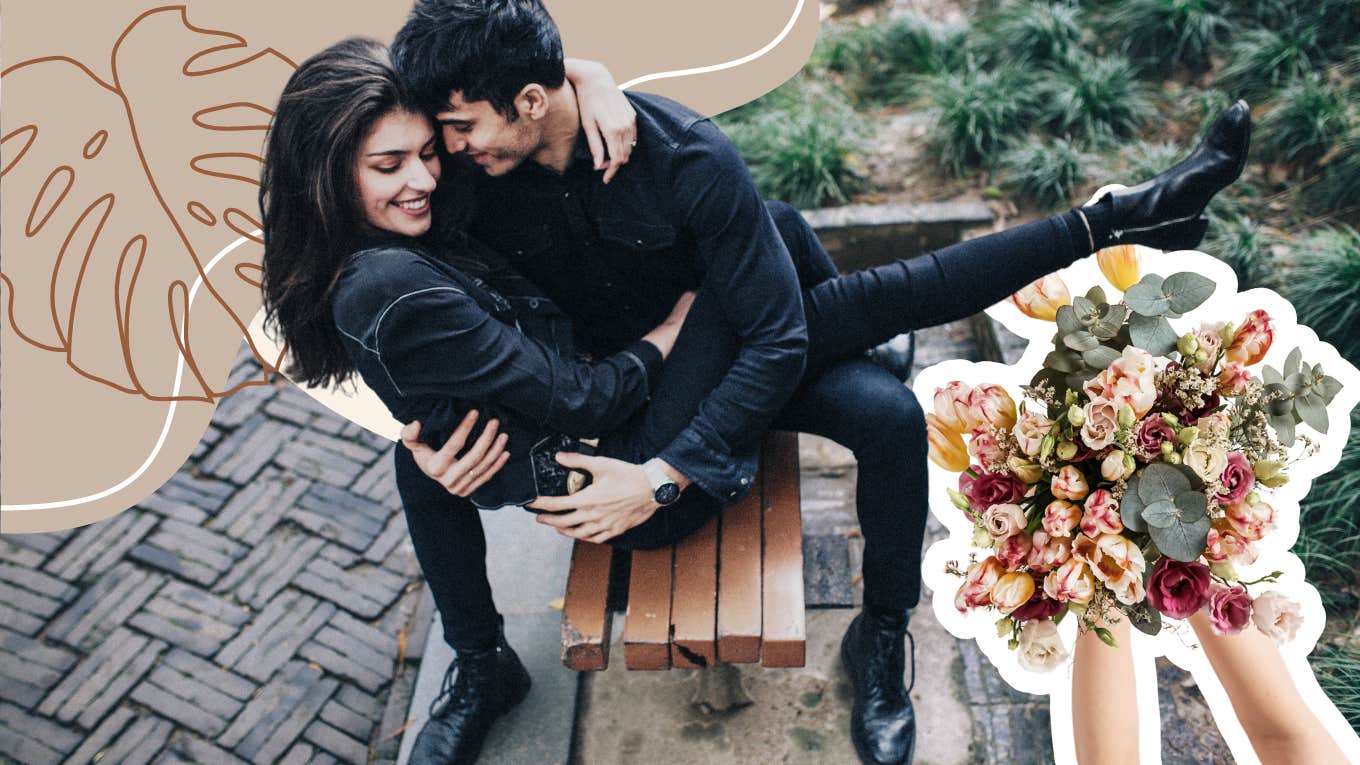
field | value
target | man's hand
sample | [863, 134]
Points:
[619, 498]
[460, 476]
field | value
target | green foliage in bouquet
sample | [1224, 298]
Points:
[1166, 503]
[1297, 394]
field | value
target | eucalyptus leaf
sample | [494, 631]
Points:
[1281, 401]
[1152, 334]
[1269, 376]
[1291, 362]
[1145, 618]
[1100, 357]
[1312, 411]
[1063, 361]
[1161, 481]
[1096, 295]
[1067, 320]
[1296, 382]
[1186, 291]
[1131, 507]
[1181, 541]
[1146, 300]
[1328, 387]
[1192, 505]
[1284, 429]
[1084, 309]
[1161, 514]
[1196, 483]
[1081, 341]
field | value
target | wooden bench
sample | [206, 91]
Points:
[730, 592]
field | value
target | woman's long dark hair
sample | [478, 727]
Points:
[312, 220]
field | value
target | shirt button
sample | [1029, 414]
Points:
[639, 241]
[533, 303]
[519, 252]
[745, 481]
[566, 195]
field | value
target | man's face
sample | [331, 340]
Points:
[486, 136]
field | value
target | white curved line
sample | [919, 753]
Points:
[169, 414]
[797, 11]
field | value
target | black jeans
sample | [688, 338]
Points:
[843, 396]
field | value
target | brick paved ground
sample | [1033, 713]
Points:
[261, 607]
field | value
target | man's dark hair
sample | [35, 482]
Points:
[487, 50]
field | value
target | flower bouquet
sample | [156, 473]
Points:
[1134, 479]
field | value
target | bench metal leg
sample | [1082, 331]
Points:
[720, 691]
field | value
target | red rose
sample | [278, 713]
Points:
[1152, 433]
[991, 489]
[1178, 589]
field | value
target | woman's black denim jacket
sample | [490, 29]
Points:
[433, 340]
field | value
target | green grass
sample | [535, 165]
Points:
[806, 157]
[1037, 33]
[1324, 286]
[1168, 34]
[1093, 97]
[976, 113]
[1245, 245]
[1309, 117]
[885, 62]
[1045, 171]
[1261, 60]
[1338, 672]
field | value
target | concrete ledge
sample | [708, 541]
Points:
[859, 236]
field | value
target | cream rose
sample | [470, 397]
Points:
[1041, 648]
[1102, 421]
[1003, 521]
[1206, 458]
[1277, 616]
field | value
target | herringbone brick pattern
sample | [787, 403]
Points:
[264, 606]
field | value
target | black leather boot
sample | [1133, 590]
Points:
[1167, 211]
[882, 722]
[478, 687]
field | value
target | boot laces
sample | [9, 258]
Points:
[460, 674]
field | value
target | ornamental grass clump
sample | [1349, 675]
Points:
[894, 59]
[1245, 245]
[1309, 118]
[1036, 33]
[1324, 286]
[1261, 60]
[1168, 34]
[1046, 171]
[1096, 97]
[806, 157]
[975, 113]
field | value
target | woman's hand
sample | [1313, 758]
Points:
[663, 337]
[459, 475]
[606, 116]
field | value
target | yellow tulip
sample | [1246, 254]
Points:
[1042, 298]
[1120, 264]
[946, 446]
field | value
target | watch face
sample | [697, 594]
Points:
[666, 493]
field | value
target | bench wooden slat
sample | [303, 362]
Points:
[586, 619]
[785, 633]
[694, 602]
[739, 607]
[646, 631]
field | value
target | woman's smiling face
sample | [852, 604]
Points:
[396, 172]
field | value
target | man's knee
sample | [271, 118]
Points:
[885, 415]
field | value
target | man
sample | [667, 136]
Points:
[684, 214]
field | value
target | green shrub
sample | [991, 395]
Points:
[885, 63]
[1168, 34]
[1324, 286]
[1040, 33]
[976, 114]
[841, 47]
[1144, 159]
[1309, 118]
[804, 157]
[1047, 172]
[1260, 60]
[1093, 97]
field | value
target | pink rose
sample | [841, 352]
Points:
[1178, 589]
[1060, 517]
[1102, 514]
[1013, 551]
[991, 406]
[1070, 581]
[1039, 606]
[990, 489]
[1042, 298]
[1223, 545]
[951, 406]
[1250, 522]
[1210, 343]
[1102, 420]
[984, 448]
[1116, 562]
[1012, 590]
[1229, 609]
[1252, 340]
[1047, 552]
[976, 589]
[1152, 433]
[1004, 520]
[1238, 479]
[1029, 432]
[1277, 616]
[1232, 381]
[1069, 483]
[1213, 427]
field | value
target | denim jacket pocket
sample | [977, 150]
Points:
[638, 235]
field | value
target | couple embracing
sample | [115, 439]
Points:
[454, 221]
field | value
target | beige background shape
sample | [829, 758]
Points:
[142, 139]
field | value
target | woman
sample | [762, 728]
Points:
[366, 270]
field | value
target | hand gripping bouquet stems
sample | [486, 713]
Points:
[1143, 460]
